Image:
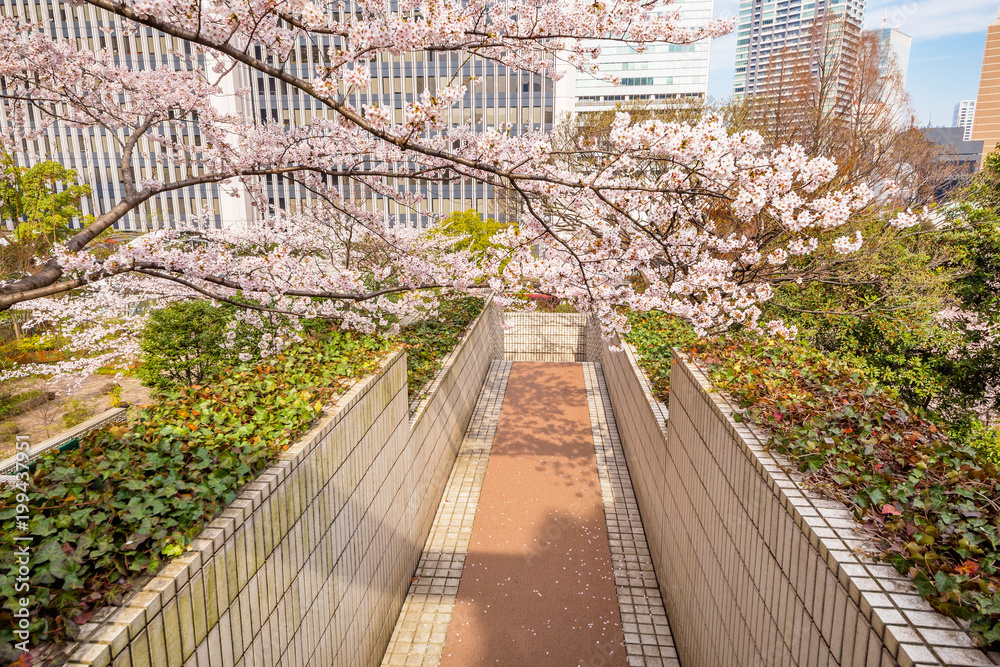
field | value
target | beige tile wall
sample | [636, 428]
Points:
[753, 569]
[310, 565]
[544, 336]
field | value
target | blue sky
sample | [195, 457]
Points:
[945, 58]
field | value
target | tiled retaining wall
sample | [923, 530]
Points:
[310, 565]
[545, 336]
[114, 415]
[753, 569]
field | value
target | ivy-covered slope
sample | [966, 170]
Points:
[929, 501]
[428, 341]
[133, 496]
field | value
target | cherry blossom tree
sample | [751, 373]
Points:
[706, 218]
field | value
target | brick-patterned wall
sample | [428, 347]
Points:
[545, 336]
[311, 563]
[753, 569]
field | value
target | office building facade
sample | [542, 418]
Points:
[660, 74]
[986, 122]
[965, 112]
[502, 96]
[894, 51]
[95, 152]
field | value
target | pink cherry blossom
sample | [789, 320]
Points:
[692, 220]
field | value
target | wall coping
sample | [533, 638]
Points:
[113, 415]
[912, 631]
[105, 637]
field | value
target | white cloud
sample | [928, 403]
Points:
[930, 20]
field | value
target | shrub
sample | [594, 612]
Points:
[984, 439]
[11, 404]
[920, 310]
[32, 349]
[182, 345]
[76, 412]
[115, 395]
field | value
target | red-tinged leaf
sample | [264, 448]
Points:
[890, 509]
[968, 568]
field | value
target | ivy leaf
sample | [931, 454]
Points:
[891, 510]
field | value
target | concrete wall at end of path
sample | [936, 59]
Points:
[754, 569]
[312, 561]
[540, 336]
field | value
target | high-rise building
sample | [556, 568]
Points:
[964, 113]
[776, 36]
[94, 152]
[893, 63]
[894, 51]
[501, 96]
[986, 125]
[661, 73]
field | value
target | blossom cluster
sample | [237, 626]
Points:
[693, 220]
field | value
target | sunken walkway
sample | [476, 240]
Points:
[537, 554]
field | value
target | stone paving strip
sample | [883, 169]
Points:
[648, 641]
[418, 638]
[538, 587]
[555, 569]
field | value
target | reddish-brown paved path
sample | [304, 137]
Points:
[538, 588]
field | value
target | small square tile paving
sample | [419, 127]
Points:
[420, 632]
[648, 640]
[418, 638]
